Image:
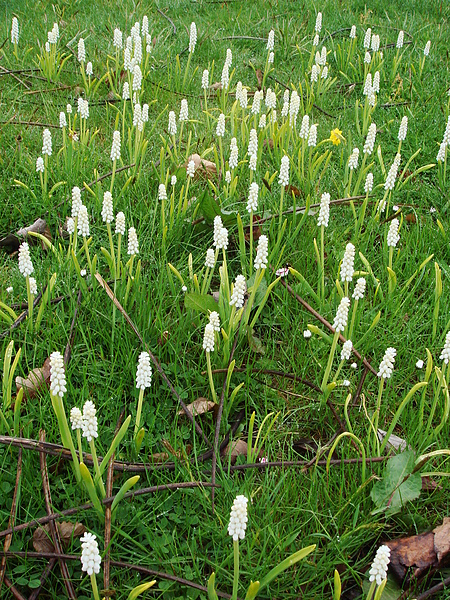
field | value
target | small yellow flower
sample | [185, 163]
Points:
[336, 136]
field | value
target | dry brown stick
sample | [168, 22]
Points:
[30, 123]
[23, 316]
[72, 511]
[325, 323]
[307, 463]
[45, 573]
[360, 386]
[435, 589]
[14, 591]
[68, 350]
[123, 565]
[219, 419]
[272, 372]
[111, 295]
[109, 487]
[12, 518]
[54, 532]
[169, 19]
[15, 77]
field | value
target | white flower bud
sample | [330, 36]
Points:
[76, 418]
[15, 31]
[89, 424]
[370, 139]
[205, 79]
[190, 169]
[33, 286]
[214, 320]
[403, 129]
[346, 350]
[192, 37]
[40, 165]
[379, 568]
[162, 192]
[393, 236]
[284, 171]
[172, 128]
[445, 354]
[210, 260]
[271, 40]
[115, 148]
[220, 129]
[184, 110]
[76, 201]
[117, 39]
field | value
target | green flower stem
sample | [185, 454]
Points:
[222, 164]
[391, 254]
[30, 299]
[338, 370]
[139, 411]
[251, 240]
[225, 276]
[362, 213]
[352, 322]
[80, 446]
[206, 110]
[94, 587]
[111, 247]
[130, 276]
[210, 377]
[119, 243]
[187, 70]
[66, 437]
[322, 260]
[330, 362]
[281, 206]
[371, 591]
[442, 379]
[86, 249]
[376, 416]
[236, 569]
[98, 476]
[113, 175]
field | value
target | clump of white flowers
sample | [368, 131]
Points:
[144, 371]
[90, 555]
[214, 320]
[387, 364]
[341, 318]
[57, 375]
[262, 252]
[238, 518]
[379, 568]
[239, 289]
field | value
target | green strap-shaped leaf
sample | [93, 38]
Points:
[116, 441]
[86, 477]
[211, 591]
[139, 589]
[285, 564]
[123, 490]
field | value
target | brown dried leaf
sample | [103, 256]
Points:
[159, 457]
[200, 407]
[12, 241]
[416, 555]
[442, 540]
[238, 448]
[203, 167]
[259, 77]
[268, 142]
[395, 442]
[42, 540]
[215, 86]
[37, 379]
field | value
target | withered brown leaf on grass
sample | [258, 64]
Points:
[12, 241]
[238, 448]
[37, 379]
[200, 407]
[203, 167]
[42, 539]
[415, 556]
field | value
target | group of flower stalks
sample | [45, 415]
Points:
[244, 126]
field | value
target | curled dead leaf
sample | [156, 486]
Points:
[203, 167]
[415, 556]
[12, 241]
[42, 540]
[238, 448]
[37, 379]
[200, 407]
[259, 77]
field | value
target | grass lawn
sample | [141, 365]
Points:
[232, 235]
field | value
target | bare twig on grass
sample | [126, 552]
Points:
[73, 511]
[109, 487]
[21, 318]
[111, 295]
[168, 18]
[325, 323]
[15, 77]
[434, 590]
[219, 418]
[14, 591]
[124, 565]
[12, 518]
[68, 350]
[56, 538]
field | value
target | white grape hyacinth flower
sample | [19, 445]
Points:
[76, 418]
[81, 50]
[379, 568]
[83, 222]
[347, 267]
[190, 169]
[252, 204]
[403, 129]
[192, 37]
[341, 318]
[346, 350]
[172, 127]
[47, 142]
[57, 375]
[25, 264]
[133, 244]
[89, 425]
[33, 286]
[62, 120]
[324, 211]
[238, 518]
[40, 165]
[239, 289]
[215, 320]
[370, 139]
[284, 171]
[107, 208]
[184, 111]
[120, 223]
[387, 364]
[205, 79]
[210, 260]
[90, 555]
[393, 235]
[162, 192]
[262, 253]
[445, 354]
[15, 31]
[208, 338]
[360, 289]
[115, 148]
[144, 371]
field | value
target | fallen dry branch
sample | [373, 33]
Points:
[12, 518]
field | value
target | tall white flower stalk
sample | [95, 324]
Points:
[208, 347]
[358, 294]
[192, 44]
[384, 372]
[57, 391]
[133, 250]
[270, 56]
[283, 180]
[322, 222]
[252, 206]
[26, 268]
[143, 381]
[339, 325]
[91, 560]
[378, 573]
[90, 432]
[15, 35]
[236, 528]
